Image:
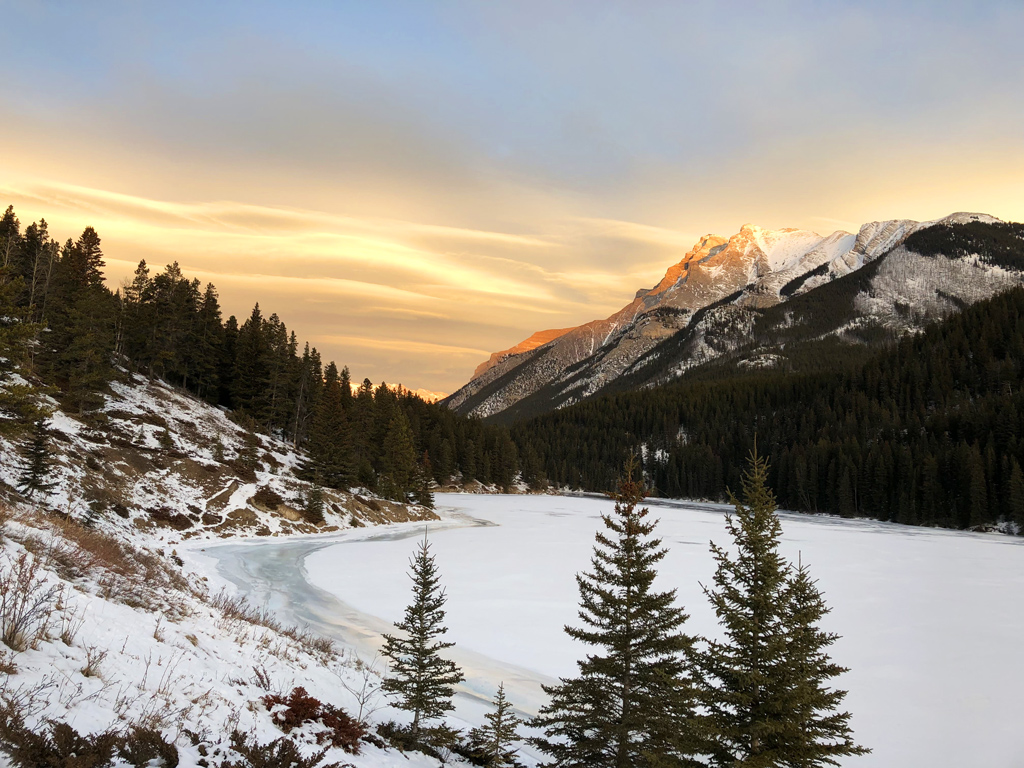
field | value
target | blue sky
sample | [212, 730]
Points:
[438, 180]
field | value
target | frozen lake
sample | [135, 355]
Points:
[932, 621]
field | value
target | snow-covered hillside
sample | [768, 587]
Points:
[108, 629]
[127, 639]
[157, 463]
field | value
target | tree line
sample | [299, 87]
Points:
[64, 328]
[927, 432]
[648, 694]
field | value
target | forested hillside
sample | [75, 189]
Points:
[68, 334]
[929, 432]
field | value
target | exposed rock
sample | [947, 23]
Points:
[711, 293]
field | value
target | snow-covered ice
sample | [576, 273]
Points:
[932, 620]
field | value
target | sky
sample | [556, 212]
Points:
[414, 185]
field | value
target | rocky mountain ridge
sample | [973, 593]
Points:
[713, 297]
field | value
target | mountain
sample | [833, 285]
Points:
[926, 431]
[728, 298]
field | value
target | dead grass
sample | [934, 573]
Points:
[237, 608]
[27, 601]
[134, 577]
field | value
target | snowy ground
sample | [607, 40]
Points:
[931, 620]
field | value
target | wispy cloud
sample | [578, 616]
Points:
[462, 175]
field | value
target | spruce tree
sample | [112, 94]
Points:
[422, 494]
[818, 732]
[744, 676]
[251, 377]
[633, 701]
[421, 681]
[330, 444]
[36, 466]
[492, 742]
[314, 507]
[762, 685]
[398, 470]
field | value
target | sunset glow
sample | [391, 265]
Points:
[411, 187]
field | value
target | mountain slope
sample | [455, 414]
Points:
[713, 303]
[927, 432]
[157, 460]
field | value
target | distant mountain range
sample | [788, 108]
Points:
[761, 298]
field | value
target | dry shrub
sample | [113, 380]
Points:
[94, 657]
[142, 745]
[6, 513]
[134, 577]
[60, 746]
[70, 621]
[267, 497]
[171, 519]
[27, 603]
[275, 754]
[237, 608]
[299, 708]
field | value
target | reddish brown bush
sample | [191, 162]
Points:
[300, 708]
[340, 730]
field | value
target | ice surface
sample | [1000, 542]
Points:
[931, 620]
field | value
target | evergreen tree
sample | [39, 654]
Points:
[492, 742]
[633, 701]
[818, 731]
[398, 470]
[309, 383]
[83, 362]
[329, 443]
[86, 264]
[420, 680]
[207, 342]
[745, 677]
[314, 510]
[226, 377]
[764, 685]
[16, 332]
[422, 494]
[36, 467]
[10, 238]
[251, 380]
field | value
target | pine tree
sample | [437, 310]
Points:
[330, 444]
[314, 508]
[744, 677]
[251, 377]
[818, 731]
[422, 494]
[35, 456]
[763, 685]
[492, 742]
[633, 701]
[398, 470]
[420, 680]
[83, 365]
